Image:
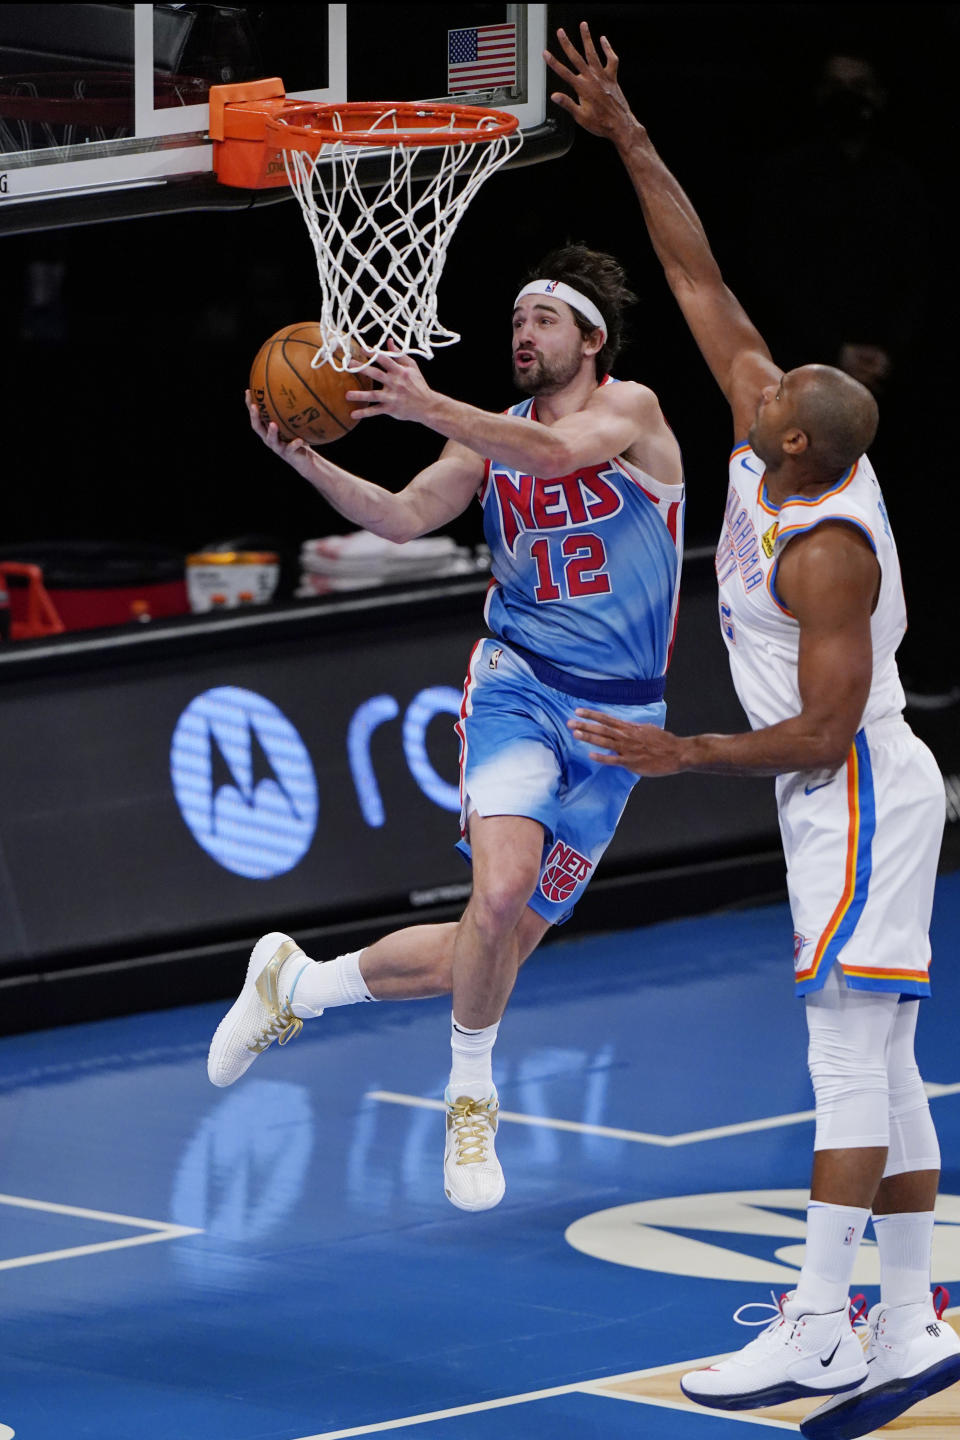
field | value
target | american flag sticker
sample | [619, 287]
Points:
[483, 57]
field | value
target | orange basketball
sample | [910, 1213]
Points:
[305, 403]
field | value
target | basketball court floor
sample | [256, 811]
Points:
[277, 1261]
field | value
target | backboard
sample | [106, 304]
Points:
[104, 113]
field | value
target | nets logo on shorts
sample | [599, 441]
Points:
[563, 872]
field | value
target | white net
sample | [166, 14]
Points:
[381, 247]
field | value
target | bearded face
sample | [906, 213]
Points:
[538, 373]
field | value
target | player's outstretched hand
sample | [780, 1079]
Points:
[296, 452]
[600, 105]
[644, 749]
[401, 389]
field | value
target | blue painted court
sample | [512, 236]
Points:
[277, 1261]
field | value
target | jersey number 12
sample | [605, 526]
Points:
[581, 572]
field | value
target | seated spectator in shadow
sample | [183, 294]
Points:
[844, 274]
[839, 257]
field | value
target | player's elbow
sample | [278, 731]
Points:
[399, 530]
[829, 746]
[832, 758]
[558, 457]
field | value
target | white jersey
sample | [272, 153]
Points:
[761, 635]
[861, 843]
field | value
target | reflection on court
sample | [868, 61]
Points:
[312, 1281]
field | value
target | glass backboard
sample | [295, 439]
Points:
[103, 108]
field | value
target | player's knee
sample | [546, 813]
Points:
[498, 905]
[906, 1090]
[851, 1090]
[837, 1074]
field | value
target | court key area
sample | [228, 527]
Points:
[277, 1261]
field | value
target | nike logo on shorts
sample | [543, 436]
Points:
[809, 789]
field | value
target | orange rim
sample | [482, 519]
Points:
[304, 125]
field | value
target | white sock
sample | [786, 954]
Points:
[905, 1243]
[312, 987]
[472, 1070]
[834, 1233]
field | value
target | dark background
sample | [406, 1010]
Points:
[123, 379]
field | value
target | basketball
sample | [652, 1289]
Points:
[305, 403]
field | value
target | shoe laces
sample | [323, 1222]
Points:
[284, 1025]
[858, 1310]
[772, 1317]
[471, 1121]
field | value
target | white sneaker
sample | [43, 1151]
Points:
[797, 1354]
[260, 1014]
[911, 1353]
[472, 1177]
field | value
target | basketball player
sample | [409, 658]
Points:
[582, 494]
[812, 612]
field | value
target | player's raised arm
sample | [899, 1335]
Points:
[730, 343]
[433, 497]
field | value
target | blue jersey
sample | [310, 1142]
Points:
[586, 567]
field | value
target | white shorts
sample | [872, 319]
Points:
[862, 849]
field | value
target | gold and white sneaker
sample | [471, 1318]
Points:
[472, 1176]
[260, 1014]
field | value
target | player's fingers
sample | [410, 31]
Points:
[398, 358]
[589, 49]
[571, 52]
[594, 735]
[611, 56]
[598, 716]
[558, 67]
[362, 397]
[565, 103]
[374, 372]
[387, 363]
[605, 759]
[585, 727]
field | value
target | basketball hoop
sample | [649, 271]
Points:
[382, 188]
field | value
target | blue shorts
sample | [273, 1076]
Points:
[517, 757]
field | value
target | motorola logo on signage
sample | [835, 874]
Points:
[244, 782]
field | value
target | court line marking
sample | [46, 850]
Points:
[609, 1132]
[599, 1387]
[639, 1137]
[159, 1230]
[503, 1402]
[689, 1409]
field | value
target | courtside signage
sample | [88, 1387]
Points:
[244, 782]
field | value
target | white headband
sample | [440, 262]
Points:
[573, 298]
